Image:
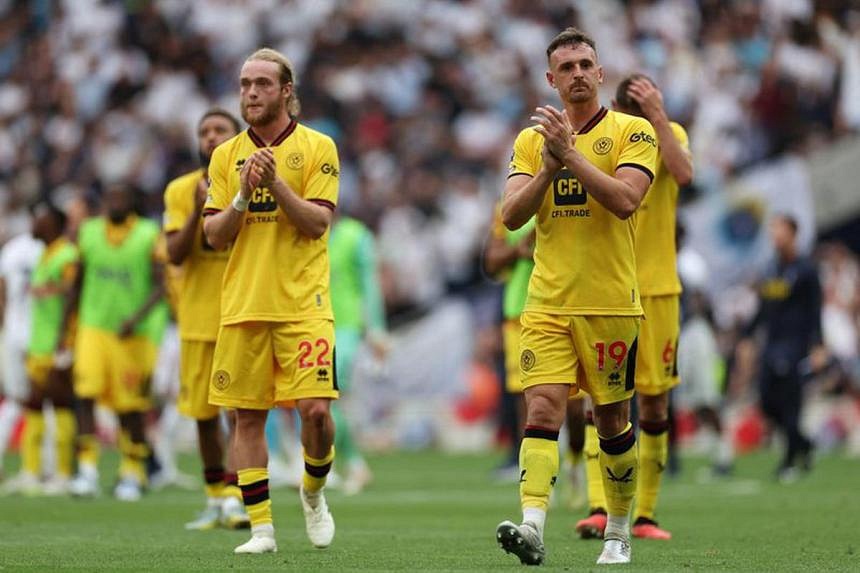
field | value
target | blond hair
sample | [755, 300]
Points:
[287, 75]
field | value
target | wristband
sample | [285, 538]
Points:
[240, 204]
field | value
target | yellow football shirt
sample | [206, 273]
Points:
[275, 273]
[656, 259]
[195, 285]
[584, 255]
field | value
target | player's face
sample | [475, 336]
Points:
[118, 203]
[263, 98]
[575, 73]
[212, 132]
[42, 224]
[781, 234]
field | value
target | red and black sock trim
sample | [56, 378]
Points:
[231, 478]
[541, 432]
[254, 493]
[619, 444]
[589, 418]
[317, 471]
[654, 428]
[213, 475]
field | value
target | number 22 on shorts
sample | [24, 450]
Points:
[306, 350]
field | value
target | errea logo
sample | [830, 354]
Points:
[642, 136]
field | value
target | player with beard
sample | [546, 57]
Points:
[199, 269]
[117, 288]
[272, 195]
[583, 171]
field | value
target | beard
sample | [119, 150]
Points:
[117, 217]
[204, 158]
[270, 113]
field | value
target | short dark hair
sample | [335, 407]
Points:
[626, 103]
[570, 37]
[45, 204]
[222, 113]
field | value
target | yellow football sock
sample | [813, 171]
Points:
[538, 467]
[231, 486]
[88, 450]
[31, 441]
[133, 460]
[593, 474]
[619, 458]
[254, 483]
[213, 479]
[653, 451]
[65, 440]
[316, 471]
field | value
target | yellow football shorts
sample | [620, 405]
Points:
[195, 371]
[115, 371]
[259, 365]
[511, 341]
[38, 368]
[657, 359]
[595, 354]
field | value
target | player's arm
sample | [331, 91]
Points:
[524, 193]
[310, 218]
[620, 193]
[71, 300]
[222, 222]
[676, 156]
[181, 241]
[155, 295]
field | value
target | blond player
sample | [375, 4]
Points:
[584, 171]
[198, 301]
[273, 190]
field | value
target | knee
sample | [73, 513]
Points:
[315, 414]
[542, 411]
[611, 419]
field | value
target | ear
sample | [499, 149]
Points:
[550, 79]
[600, 74]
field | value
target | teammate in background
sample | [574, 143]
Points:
[272, 194]
[660, 289]
[584, 171]
[358, 314]
[198, 315]
[48, 373]
[510, 255]
[18, 257]
[117, 288]
[790, 316]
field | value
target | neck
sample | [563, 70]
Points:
[580, 113]
[271, 130]
[788, 255]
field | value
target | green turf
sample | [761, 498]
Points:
[428, 511]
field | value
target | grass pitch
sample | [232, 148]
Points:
[429, 511]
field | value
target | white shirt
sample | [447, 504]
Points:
[18, 257]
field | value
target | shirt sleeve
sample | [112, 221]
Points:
[639, 148]
[322, 183]
[680, 135]
[523, 160]
[174, 214]
[219, 196]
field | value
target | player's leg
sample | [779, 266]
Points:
[134, 452]
[14, 391]
[656, 375]
[28, 480]
[511, 329]
[233, 514]
[575, 448]
[607, 347]
[306, 375]
[653, 452]
[59, 392]
[547, 367]
[593, 525]
[93, 351]
[797, 447]
[243, 378]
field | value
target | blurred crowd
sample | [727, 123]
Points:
[423, 99]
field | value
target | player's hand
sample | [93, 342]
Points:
[249, 177]
[556, 129]
[265, 160]
[550, 162]
[200, 193]
[648, 97]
